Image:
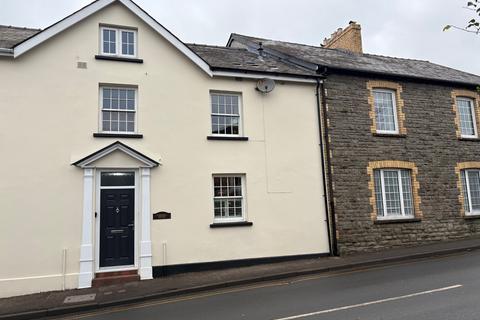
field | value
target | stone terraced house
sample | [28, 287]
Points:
[143, 156]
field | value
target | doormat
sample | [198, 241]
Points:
[80, 298]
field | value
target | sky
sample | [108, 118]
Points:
[400, 28]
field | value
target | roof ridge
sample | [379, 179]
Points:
[384, 56]
[466, 72]
[215, 46]
[336, 50]
[301, 44]
[21, 28]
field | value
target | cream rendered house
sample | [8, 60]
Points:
[124, 149]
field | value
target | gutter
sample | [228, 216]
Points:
[326, 174]
[6, 52]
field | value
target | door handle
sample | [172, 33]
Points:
[116, 231]
[131, 225]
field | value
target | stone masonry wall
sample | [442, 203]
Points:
[430, 143]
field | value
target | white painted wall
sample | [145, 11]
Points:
[49, 111]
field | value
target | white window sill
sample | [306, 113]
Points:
[472, 215]
[468, 137]
[389, 134]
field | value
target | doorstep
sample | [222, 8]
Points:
[103, 279]
[72, 301]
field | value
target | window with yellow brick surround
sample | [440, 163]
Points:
[388, 85]
[394, 164]
[465, 94]
[458, 170]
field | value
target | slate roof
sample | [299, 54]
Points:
[224, 58]
[344, 60]
[10, 36]
[227, 58]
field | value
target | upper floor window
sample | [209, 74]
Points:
[466, 114]
[119, 42]
[226, 114]
[471, 191]
[118, 109]
[385, 111]
[393, 193]
[228, 198]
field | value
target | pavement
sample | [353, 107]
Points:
[53, 303]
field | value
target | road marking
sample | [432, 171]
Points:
[305, 315]
[172, 300]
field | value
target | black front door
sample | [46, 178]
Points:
[117, 229]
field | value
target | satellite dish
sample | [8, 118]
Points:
[265, 85]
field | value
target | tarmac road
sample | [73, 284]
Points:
[434, 288]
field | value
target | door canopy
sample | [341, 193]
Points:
[117, 148]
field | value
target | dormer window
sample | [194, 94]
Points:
[118, 42]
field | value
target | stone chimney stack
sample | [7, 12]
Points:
[349, 39]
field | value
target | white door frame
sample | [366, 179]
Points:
[89, 256]
[98, 174]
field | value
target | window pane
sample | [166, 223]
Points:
[474, 183]
[378, 193]
[407, 192]
[109, 41]
[466, 203]
[128, 43]
[467, 117]
[106, 47]
[116, 179]
[106, 125]
[384, 111]
[107, 103]
[392, 192]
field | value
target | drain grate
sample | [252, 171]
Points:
[80, 298]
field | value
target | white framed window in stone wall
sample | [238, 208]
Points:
[229, 198]
[471, 191]
[118, 109]
[467, 119]
[386, 118]
[393, 194]
[118, 42]
[226, 114]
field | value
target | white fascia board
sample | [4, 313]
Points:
[60, 26]
[168, 36]
[240, 74]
